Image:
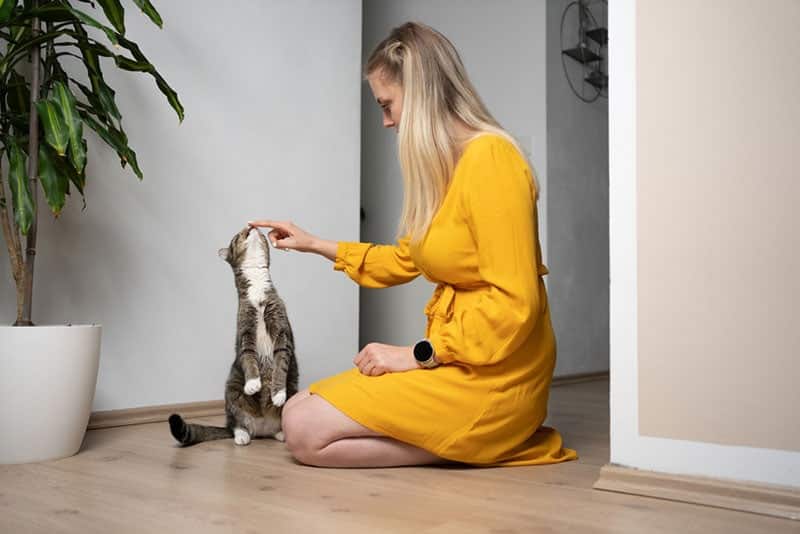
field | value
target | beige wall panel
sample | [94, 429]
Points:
[719, 221]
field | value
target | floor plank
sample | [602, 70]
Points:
[135, 479]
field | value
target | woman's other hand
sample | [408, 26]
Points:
[376, 359]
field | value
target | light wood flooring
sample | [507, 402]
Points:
[134, 479]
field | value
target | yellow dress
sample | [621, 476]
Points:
[488, 320]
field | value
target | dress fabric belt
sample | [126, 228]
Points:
[441, 302]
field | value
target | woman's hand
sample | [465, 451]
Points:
[287, 236]
[376, 359]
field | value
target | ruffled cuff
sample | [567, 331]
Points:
[441, 350]
[340, 262]
[350, 256]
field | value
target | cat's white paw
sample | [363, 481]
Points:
[279, 398]
[241, 436]
[252, 386]
[279, 436]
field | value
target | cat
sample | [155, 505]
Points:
[264, 372]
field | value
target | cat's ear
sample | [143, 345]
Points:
[224, 253]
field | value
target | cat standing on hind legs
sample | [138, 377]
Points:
[264, 371]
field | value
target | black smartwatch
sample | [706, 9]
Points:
[424, 354]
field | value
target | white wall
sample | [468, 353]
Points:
[502, 45]
[271, 91]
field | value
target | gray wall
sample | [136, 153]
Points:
[577, 207]
[502, 45]
[260, 139]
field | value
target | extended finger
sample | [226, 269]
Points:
[267, 223]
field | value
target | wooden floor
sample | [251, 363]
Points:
[134, 479]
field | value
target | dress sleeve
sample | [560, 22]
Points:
[371, 265]
[497, 199]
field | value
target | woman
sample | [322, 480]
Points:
[475, 389]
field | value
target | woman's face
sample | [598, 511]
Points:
[389, 96]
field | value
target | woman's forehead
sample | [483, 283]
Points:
[383, 88]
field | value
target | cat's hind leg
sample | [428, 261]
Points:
[240, 410]
[269, 426]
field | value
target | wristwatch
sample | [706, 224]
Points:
[424, 354]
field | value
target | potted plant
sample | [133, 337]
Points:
[48, 373]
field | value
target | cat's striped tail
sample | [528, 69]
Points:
[189, 434]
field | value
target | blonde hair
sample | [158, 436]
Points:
[436, 93]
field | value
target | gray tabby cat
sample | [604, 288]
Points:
[264, 373]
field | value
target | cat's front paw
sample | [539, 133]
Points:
[279, 436]
[252, 386]
[279, 398]
[241, 436]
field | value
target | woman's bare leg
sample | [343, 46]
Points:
[319, 434]
[294, 399]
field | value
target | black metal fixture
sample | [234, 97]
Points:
[584, 50]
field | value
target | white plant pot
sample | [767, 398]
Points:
[47, 381]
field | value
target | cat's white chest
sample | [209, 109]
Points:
[263, 339]
[255, 268]
[260, 283]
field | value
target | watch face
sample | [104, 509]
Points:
[423, 351]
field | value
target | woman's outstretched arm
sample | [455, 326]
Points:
[367, 264]
[288, 236]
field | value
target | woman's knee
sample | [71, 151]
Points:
[312, 423]
[297, 424]
[294, 399]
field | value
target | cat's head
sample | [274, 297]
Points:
[247, 249]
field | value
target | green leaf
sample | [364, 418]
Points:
[115, 14]
[116, 139]
[86, 19]
[131, 65]
[7, 7]
[20, 48]
[89, 54]
[55, 130]
[98, 127]
[100, 50]
[20, 188]
[65, 168]
[74, 125]
[49, 13]
[148, 9]
[169, 92]
[54, 183]
[94, 106]
[131, 155]
[103, 94]
[19, 96]
[106, 96]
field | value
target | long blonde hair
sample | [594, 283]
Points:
[436, 93]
